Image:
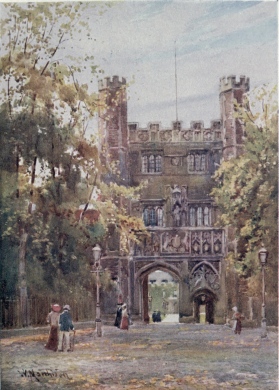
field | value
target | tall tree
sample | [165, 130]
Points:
[50, 164]
[247, 188]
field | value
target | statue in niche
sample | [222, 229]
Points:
[183, 194]
[185, 242]
[156, 244]
[183, 218]
[176, 213]
[176, 195]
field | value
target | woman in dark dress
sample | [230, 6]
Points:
[117, 321]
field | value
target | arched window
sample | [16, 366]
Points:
[202, 162]
[158, 164]
[146, 216]
[144, 161]
[152, 217]
[151, 164]
[197, 162]
[159, 216]
[192, 216]
[207, 218]
[199, 216]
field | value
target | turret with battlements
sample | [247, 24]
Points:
[232, 130]
[113, 125]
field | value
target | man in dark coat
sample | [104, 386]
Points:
[66, 324]
[117, 321]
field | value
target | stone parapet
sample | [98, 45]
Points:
[228, 83]
[111, 83]
[195, 133]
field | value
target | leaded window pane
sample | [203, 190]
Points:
[152, 217]
[206, 217]
[144, 164]
[197, 162]
[202, 162]
[146, 216]
[192, 217]
[158, 164]
[199, 216]
[190, 160]
[159, 217]
[151, 164]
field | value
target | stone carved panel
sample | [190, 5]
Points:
[204, 277]
[188, 135]
[206, 243]
[143, 135]
[196, 243]
[166, 136]
[150, 246]
[176, 161]
[175, 243]
[207, 135]
[217, 242]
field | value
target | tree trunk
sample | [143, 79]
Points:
[24, 310]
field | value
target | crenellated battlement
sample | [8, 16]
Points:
[230, 82]
[109, 82]
[155, 132]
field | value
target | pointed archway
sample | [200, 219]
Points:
[204, 306]
[142, 280]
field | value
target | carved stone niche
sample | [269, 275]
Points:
[204, 276]
[217, 242]
[176, 161]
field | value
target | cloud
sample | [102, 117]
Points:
[135, 39]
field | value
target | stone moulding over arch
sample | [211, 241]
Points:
[158, 265]
[204, 276]
[206, 263]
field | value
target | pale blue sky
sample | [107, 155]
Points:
[135, 39]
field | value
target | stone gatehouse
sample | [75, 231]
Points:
[177, 163]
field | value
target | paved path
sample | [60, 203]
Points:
[173, 318]
[156, 356]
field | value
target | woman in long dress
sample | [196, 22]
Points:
[52, 319]
[125, 318]
[237, 321]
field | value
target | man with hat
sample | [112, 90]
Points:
[52, 319]
[66, 324]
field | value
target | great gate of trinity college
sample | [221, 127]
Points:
[177, 163]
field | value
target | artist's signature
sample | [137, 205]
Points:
[40, 373]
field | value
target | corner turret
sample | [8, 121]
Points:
[113, 130]
[232, 130]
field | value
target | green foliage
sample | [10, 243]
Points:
[247, 186]
[50, 168]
